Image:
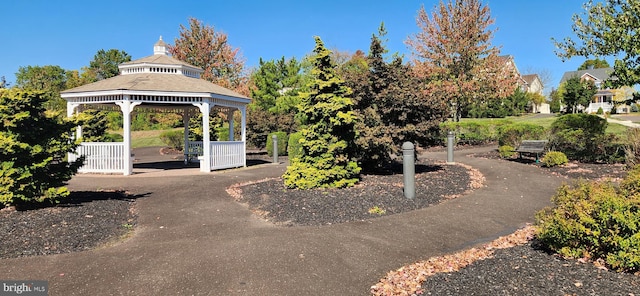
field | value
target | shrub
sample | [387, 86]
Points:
[173, 138]
[294, 149]
[473, 132]
[632, 147]
[554, 158]
[222, 133]
[594, 221]
[282, 143]
[34, 145]
[513, 134]
[600, 111]
[506, 151]
[110, 137]
[630, 185]
[581, 137]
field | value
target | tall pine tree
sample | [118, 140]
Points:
[328, 132]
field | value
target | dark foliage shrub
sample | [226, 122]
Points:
[554, 158]
[282, 143]
[513, 134]
[595, 221]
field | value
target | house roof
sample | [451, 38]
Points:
[530, 78]
[600, 74]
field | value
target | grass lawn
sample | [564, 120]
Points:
[546, 121]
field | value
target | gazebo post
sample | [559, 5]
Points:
[230, 119]
[127, 107]
[71, 109]
[185, 120]
[243, 131]
[205, 163]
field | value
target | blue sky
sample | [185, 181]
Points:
[69, 33]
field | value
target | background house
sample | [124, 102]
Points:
[533, 84]
[604, 97]
[530, 83]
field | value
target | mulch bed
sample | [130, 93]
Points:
[84, 221]
[374, 196]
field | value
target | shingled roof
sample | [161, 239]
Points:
[600, 74]
[156, 73]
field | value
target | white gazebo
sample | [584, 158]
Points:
[159, 83]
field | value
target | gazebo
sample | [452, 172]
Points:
[159, 83]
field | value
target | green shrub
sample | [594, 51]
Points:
[554, 158]
[173, 138]
[35, 144]
[630, 185]
[282, 143]
[632, 147]
[595, 221]
[294, 149]
[473, 132]
[513, 134]
[109, 137]
[600, 111]
[222, 134]
[506, 151]
[581, 137]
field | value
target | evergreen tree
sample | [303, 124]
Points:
[328, 132]
[33, 147]
[275, 97]
[105, 63]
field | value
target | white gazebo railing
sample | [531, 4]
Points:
[227, 154]
[101, 157]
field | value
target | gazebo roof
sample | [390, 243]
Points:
[158, 73]
[154, 82]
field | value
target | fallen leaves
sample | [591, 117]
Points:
[407, 280]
